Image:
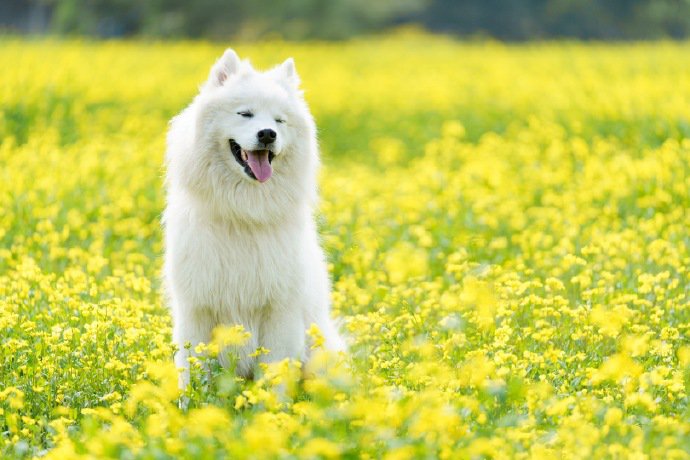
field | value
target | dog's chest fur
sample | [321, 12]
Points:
[229, 269]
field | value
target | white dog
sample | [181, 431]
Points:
[241, 242]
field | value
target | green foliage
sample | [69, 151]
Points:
[339, 19]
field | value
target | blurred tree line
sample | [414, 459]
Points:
[338, 19]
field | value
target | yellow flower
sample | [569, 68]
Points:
[207, 421]
[613, 416]
[617, 367]
[684, 356]
[404, 261]
[224, 336]
[321, 448]
[167, 376]
[316, 336]
[478, 295]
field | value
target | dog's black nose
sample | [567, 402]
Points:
[266, 136]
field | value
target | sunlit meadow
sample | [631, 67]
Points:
[508, 231]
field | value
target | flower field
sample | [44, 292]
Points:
[508, 231]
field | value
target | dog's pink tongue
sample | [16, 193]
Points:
[258, 162]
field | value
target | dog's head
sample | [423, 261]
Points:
[261, 114]
[254, 146]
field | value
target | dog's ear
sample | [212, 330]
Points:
[287, 73]
[228, 64]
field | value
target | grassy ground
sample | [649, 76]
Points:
[507, 229]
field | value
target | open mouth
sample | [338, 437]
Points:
[256, 163]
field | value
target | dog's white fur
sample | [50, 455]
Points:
[239, 251]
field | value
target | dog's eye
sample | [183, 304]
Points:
[245, 114]
[280, 120]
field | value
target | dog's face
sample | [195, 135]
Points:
[258, 124]
[254, 152]
[256, 117]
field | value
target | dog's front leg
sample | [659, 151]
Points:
[191, 327]
[283, 334]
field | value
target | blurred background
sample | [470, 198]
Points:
[510, 20]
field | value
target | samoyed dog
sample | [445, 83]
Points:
[241, 245]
